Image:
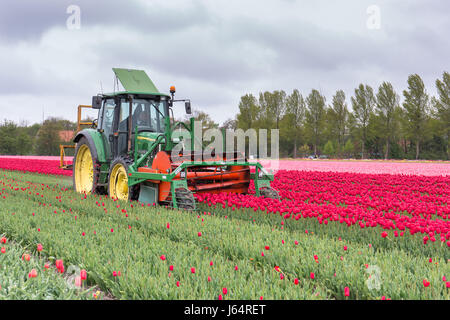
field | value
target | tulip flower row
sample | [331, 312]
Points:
[397, 204]
[34, 164]
[405, 167]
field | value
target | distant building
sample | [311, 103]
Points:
[66, 135]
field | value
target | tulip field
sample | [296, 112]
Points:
[341, 234]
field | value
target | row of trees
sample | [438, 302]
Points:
[37, 139]
[378, 125]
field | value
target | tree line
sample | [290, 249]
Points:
[37, 139]
[372, 124]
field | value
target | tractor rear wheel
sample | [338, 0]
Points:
[84, 177]
[118, 180]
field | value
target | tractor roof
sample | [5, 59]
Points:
[135, 82]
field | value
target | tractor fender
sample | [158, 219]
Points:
[95, 140]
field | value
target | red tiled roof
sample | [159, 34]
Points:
[66, 135]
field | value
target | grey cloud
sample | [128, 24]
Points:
[29, 19]
[217, 51]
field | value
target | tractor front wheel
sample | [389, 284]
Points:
[118, 181]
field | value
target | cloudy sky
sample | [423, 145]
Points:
[213, 51]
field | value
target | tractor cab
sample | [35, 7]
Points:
[123, 116]
[140, 113]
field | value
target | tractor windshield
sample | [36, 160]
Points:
[147, 114]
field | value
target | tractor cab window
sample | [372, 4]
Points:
[147, 115]
[106, 118]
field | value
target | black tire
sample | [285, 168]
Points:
[185, 199]
[269, 193]
[96, 167]
[126, 162]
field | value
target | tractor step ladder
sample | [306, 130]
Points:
[63, 147]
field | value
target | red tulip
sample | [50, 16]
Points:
[32, 274]
[83, 274]
[346, 291]
[58, 264]
[39, 247]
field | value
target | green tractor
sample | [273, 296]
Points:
[129, 151]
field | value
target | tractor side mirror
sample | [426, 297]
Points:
[96, 102]
[187, 106]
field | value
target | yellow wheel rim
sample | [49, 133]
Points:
[118, 183]
[84, 170]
